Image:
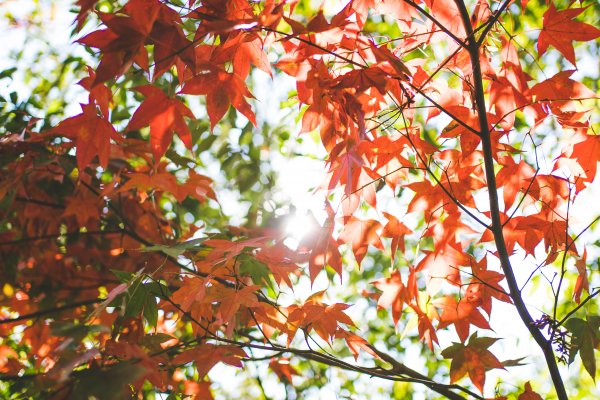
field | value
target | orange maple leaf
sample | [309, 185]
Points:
[355, 343]
[394, 294]
[206, 356]
[361, 233]
[396, 230]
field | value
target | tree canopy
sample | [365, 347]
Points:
[149, 249]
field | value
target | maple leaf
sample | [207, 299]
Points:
[430, 198]
[223, 250]
[560, 30]
[424, 325]
[355, 343]
[122, 43]
[586, 151]
[85, 6]
[394, 294]
[396, 230]
[559, 88]
[278, 260]
[484, 285]
[322, 247]
[585, 338]
[346, 164]
[221, 89]
[361, 233]
[197, 186]
[170, 43]
[443, 264]
[247, 49]
[529, 394]
[91, 134]
[99, 93]
[138, 23]
[192, 290]
[206, 356]
[448, 14]
[513, 178]
[84, 206]
[283, 369]
[322, 317]
[165, 116]
[462, 314]
[398, 9]
[473, 359]
[232, 300]
[582, 278]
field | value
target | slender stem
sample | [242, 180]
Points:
[573, 311]
[503, 255]
[435, 21]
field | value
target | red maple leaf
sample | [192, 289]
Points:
[283, 369]
[91, 134]
[514, 178]
[139, 22]
[582, 281]
[443, 264]
[321, 317]
[279, 260]
[221, 89]
[560, 30]
[529, 393]
[586, 151]
[197, 186]
[484, 285]
[165, 116]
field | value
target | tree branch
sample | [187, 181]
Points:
[53, 310]
[543, 343]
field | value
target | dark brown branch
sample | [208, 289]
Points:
[57, 235]
[48, 311]
[503, 255]
[399, 371]
[39, 202]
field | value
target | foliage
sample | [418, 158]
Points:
[459, 136]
